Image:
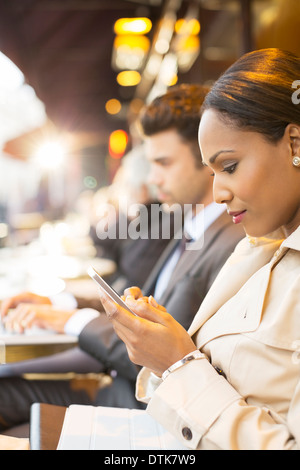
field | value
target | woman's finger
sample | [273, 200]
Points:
[153, 302]
[134, 292]
[110, 307]
[148, 309]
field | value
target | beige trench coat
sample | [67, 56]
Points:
[249, 327]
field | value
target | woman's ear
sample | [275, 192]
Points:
[294, 138]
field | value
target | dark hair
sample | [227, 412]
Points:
[178, 109]
[255, 93]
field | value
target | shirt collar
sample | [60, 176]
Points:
[195, 226]
[293, 241]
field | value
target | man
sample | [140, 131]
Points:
[180, 279]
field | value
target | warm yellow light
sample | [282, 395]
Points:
[132, 26]
[183, 26]
[113, 106]
[117, 143]
[128, 78]
[129, 51]
[188, 44]
[132, 41]
[172, 81]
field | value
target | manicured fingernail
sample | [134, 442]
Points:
[152, 301]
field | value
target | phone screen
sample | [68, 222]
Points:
[109, 290]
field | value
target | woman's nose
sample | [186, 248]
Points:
[222, 194]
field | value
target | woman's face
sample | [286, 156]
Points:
[253, 177]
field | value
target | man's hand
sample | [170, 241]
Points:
[25, 316]
[23, 297]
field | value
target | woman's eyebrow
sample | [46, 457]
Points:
[213, 158]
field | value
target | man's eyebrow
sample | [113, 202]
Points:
[213, 158]
[160, 158]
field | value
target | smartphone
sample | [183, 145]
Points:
[109, 290]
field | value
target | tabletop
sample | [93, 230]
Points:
[19, 347]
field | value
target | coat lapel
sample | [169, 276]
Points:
[240, 314]
[152, 278]
[247, 270]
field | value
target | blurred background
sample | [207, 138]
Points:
[74, 75]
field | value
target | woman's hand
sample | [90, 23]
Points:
[23, 297]
[153, 338]
[134, 292]
[25, 316]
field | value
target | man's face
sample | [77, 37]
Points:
[174, 170]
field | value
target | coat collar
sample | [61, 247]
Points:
[293, 241]
[252, 258]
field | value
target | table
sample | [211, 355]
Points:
[17, 274]
[22, 347]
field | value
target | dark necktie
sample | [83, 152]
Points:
[186, 239]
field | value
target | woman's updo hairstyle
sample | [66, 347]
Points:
[255, 93]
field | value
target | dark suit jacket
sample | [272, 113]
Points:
[127, 252]
[189, 283]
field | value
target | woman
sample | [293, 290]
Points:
[238, 386]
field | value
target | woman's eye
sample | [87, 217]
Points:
[231, 168]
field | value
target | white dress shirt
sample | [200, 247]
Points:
[194, 228]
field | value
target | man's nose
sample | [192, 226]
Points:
[154, 177]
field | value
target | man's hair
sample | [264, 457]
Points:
[178, 109]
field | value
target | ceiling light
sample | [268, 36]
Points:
[50, 155]
[129, 52]
[128, 78]
[113, 106]
[187, 26]
[117, 143]
[132, 26]
[132, 41]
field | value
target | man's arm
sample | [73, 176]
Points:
[99, 339]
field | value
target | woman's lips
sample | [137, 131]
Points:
[237, 217]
